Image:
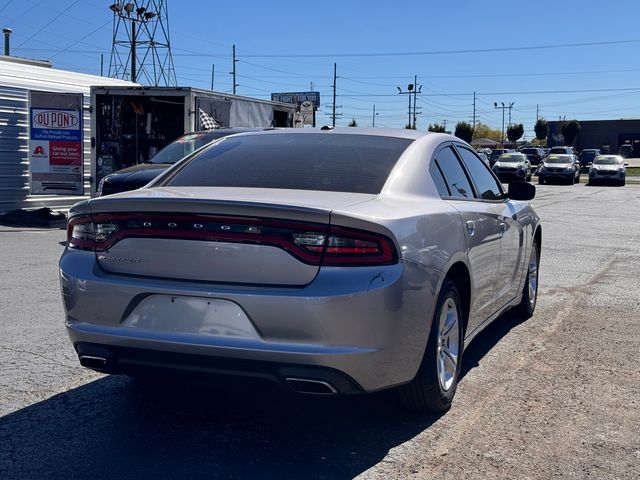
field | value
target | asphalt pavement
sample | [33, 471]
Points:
[556, 396]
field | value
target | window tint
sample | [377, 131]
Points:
[302, 161]
[453, 173]
[438, 179]
[486, 185]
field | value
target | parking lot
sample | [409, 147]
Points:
[557, 396]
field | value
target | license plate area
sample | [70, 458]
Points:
[193, 315]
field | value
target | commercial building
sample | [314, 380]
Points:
[607, 135]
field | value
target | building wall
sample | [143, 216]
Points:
[599, 133]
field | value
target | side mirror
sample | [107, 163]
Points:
[626, 164]
[521, 191]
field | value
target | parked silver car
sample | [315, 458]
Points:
[559, 167]
[608, 169]
[513, 167]
[333, 261]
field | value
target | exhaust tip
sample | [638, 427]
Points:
[94, 362]
[310, 386]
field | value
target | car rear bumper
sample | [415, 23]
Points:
[366, 324]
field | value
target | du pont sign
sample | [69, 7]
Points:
[55, 143]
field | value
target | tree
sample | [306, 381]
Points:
[436, 128]
[541, 128]
[570, 131]
[353, 123]
[515, 132]
[464, 131]
[485, 131]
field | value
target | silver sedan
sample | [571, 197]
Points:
[332, 261]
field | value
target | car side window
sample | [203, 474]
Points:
[438, 179]
[453, 173]
[487, 186]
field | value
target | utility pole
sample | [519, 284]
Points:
[416, 90]
[234, 70]
[373, 117]
[474, 110]
[503, 107]
[213, 74]
[444, 125]
[409, 92]
[102, 64]
[537, 112]
[333, 111]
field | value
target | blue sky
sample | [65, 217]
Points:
[288, 46]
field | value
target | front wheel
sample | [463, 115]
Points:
[435, 384]
[530, 291]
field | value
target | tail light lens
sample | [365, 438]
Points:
[311, 243]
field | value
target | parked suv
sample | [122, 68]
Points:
[626, 150]
[559, 167]
[561, 151]
[512, 167]
[534, 154]
[587, 156]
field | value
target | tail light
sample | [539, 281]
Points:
[311, 243]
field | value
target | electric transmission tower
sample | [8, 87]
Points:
[141, 51]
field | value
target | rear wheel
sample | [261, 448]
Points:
[435, 384]
[530, 291]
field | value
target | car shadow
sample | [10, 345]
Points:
[487, 339]
[115, 427]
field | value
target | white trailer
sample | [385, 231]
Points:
[130, 124]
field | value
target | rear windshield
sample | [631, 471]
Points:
[331, 162]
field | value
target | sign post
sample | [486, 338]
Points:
[55, 143]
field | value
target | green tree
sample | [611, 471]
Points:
[353, 123]
[437, 128]
[541, 128]
[515, 132]
[570, 131]
[485, 131]
[464, 131]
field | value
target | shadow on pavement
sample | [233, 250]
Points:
[116, 428]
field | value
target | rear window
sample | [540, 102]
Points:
[331, 162]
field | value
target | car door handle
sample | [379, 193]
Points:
[471, 227]
[503, 227]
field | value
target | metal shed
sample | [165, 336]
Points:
[18, 77]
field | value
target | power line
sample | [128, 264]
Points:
[443, 52]
[49, 22]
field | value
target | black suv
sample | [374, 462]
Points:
[534, 154]
[587, 156]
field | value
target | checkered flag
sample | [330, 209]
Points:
[207, 122]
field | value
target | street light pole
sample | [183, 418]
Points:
[503, 107]
[409, 92]
[133, 51]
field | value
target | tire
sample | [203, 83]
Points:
[578, 179]
[434, 386]
[572, 180]
[622, 182]
[530, 290]
[540, 181]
